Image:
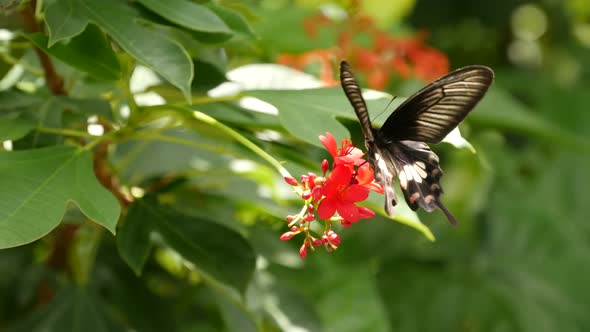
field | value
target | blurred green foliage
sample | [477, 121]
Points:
[198, 249]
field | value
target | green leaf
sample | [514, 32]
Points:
[73, 309]
[89, 52]
[230, 260]
[284, 302]
[188, 14]
[500, 110]
[87, 106]
[235, 115]
[64, 19]
[309, 113]
[164, 56]
[47, 114]
[12, 100]
[12, 128]
[451, 300]
[233, 19]
[401, 213]
[234, 315]
[36, 186]
[133, 236]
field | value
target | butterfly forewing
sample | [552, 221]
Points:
[431, 113]
[380, 160]
[353, 93]
[399, 147]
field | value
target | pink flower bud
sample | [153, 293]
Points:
[309, 217]
[324, 238]
[317, 242]
[325, 166]
[316, 194]
[311, 180]
[334, 238]
[294, 229]
[291, 181]
[303, 250]
[287, 236]
[306, 194]
[290, 218]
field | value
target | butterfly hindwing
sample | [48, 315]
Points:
[419, 176]
[431, 113]
[384, 170]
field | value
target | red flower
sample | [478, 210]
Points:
[340, 195]
[347, 154]
[366, 178]
[332, 197]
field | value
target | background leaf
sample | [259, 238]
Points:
[164, 56]
[191, 238]
[37, 186]
[88, 52]
[188, 14]
[73, 309]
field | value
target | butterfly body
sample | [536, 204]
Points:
[399, 149]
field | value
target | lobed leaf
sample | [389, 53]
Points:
[36, 187]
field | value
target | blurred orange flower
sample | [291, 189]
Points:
[387, 56]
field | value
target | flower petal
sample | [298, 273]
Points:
[338, 180]
[364, 174]
[376, 187]
[327, 208]
[354, 193]
[365, 213]
[329, 143]
[348, 211]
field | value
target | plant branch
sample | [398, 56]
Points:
[54, 81]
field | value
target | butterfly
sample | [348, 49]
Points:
[399, 147]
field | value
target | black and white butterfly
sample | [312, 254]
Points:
[399, 147]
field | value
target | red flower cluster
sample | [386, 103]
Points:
[334, 196]
[405, 56]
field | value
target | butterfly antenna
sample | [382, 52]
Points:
[385, 109]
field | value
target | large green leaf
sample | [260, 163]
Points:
[89, 52]
[311, 112]
[36, 187]
[68, 18]
[214, 249]
[188, 14]
[73, 309]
